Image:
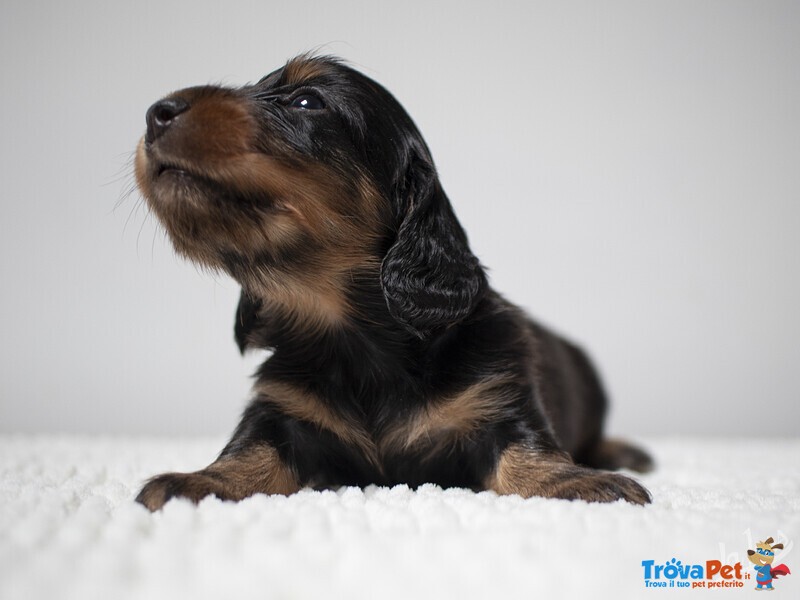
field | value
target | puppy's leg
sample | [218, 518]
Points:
[597, 451]
[525, 470]
[614, 454]
[250, 469]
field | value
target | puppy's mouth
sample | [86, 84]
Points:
[160, 164]
[167, 174]
[168, 169]
[176, 182]
[172, 170]
[173, 181]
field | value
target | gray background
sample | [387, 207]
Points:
[630, 172]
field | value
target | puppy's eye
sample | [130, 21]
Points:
[307, 102]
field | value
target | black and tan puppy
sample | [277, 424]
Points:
[393, 361]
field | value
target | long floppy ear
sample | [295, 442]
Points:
[430, 278]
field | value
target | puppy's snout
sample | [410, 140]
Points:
[161, 115]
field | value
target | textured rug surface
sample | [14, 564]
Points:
[69, 529]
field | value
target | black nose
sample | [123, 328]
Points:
[161, 115]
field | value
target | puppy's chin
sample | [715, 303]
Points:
[206, 221]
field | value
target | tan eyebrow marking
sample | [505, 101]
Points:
[302, 69]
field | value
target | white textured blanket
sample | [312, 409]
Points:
[69, 529]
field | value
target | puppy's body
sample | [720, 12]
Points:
[393, 361]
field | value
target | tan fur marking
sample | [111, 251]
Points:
[301, 69]
[452, 417]
[256, 470]
[313, 301]
[306, 407]
[528, 472]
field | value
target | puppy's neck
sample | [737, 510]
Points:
[327, 331]
[306, 305]
[307, 299]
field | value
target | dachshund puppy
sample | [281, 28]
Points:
[393, 360]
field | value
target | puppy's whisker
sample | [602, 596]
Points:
[134, 210]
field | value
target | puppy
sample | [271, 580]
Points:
[393, 360]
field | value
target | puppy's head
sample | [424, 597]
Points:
[300, 184]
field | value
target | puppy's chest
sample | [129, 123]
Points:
[376, 423]
[388, 435]
[411, 446]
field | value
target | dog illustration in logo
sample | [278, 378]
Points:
[762, 558]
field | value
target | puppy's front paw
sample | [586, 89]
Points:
[526, 471]
[162, 488]
[598, 486]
